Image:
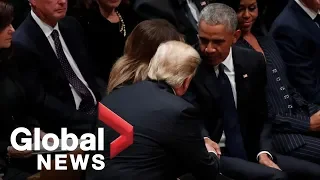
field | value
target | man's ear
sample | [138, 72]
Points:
[236, 35]
[180, 91]
[186, 83]
[32, 3]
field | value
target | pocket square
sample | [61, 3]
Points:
[245, 75]
[203, 3]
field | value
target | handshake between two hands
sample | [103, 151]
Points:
[13, 153]
[264, 158]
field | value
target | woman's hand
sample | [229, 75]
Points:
[13, 153]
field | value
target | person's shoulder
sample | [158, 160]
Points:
[250, 59]
[69, 20]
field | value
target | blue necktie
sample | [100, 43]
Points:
[234, 141]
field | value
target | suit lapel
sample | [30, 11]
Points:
[309, 24]
[241, 79]
[210, 80]
[43, 47]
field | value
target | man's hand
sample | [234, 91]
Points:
[42, 134]
[18, 154]
[265, 160]
[315, 122]
[212, 146]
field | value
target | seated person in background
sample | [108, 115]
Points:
[167, 136]
[109, 24]
[55, 69]
[141, 45]
[13, 106]
[183, 14]
[229, 88]
[288, 110]
[297, 34]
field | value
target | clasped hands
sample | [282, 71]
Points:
[13, 153]
[264, 158]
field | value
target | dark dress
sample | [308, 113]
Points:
[12, 109]
[105, 41]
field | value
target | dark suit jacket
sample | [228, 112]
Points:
[298, 39]
[251, 100]
[288, 110]
[167, 137]
[176, 12]
[44, 80]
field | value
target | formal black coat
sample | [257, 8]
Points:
[167, 137]
[13, 108]
[250, 78]
[105, 41]
[43, 77]
[298, 39]
[176, 12]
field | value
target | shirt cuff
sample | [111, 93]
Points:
[264, 152]
[213, 152]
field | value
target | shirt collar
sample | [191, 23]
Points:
[47, 29]
[309, 11]
[228, 62]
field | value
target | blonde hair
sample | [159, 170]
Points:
[140, 46]
[173, 62]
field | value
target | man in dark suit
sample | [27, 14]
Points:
[298, 132]
[229, 88]
[167, 137]
[183, 14]
[52, 59]
[297, 34]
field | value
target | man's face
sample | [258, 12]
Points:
[215, 42]
[51, 10]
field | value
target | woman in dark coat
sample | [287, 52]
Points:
[13, 164]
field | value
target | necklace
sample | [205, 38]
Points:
[122, 25]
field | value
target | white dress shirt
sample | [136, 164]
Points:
[47, 30]
[194, 10]
[229, 71]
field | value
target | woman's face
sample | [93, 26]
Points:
[247, 14]
[6, 36]
[109, 3]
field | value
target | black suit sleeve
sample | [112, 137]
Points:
[297, 51]
[45, 104]
[188, 143]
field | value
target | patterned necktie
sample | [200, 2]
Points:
[87, 103]
[234, 141]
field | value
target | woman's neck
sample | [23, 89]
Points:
[107, 12]
[247, 34]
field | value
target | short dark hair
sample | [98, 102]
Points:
[6, 14]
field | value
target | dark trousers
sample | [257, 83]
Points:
[292, 169]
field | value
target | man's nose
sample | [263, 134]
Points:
[210, 48]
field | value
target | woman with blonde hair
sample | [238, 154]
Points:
[140, 47]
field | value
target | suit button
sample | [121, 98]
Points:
[278, 79]
[274, 71]
[290, 106]
[282, 88]
[286, 96]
